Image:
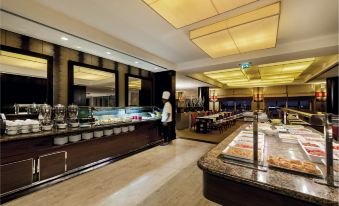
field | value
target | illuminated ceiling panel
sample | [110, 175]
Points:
[251, 31]
[181, 13]
[91, 74]
[222, 5]
[217, 44]
[278, 73]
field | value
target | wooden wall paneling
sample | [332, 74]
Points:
[87, 58]
[94, 60]
[13, 40]
[73, 55]
[3, 36]
[134, 71]
[36, 45]
[122, 69]
[108, 64]
[63, 78]
[47, 48]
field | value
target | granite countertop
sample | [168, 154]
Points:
[69, 131]
[292, 185]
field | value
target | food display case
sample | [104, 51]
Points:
[291, 165]
[114, 115]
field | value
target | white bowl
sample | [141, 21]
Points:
[117, 130]
[35, 126]
[10, 128]
[61, 126]
[98, 133]
[24, 131]
[74, 138]
[87, 135]
[131, 128]
[60, 140]
[46, 127]
[108, 132]
[24, 127]
[12, 132]
[74, 124]
[36, 130]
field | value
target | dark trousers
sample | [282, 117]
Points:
[166, 131]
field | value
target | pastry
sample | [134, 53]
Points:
[296, 162]
[297, 167]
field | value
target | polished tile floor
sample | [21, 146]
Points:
[159, 176]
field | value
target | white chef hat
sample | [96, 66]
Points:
[166, 95]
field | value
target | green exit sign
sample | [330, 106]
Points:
[245, 65]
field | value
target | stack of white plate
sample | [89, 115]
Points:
[117, 130]
[74, 138]
[131, 128]
[124, 129]
[35, 128]
[60, 140]
[87, 135]
[46, 127]
[108, 132]
[98, 133]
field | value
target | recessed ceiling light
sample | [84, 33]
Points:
[78, 47]
[136, 62]
[64, 38]
[108, 52]
[155, 68]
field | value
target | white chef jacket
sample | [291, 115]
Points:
[166, 115]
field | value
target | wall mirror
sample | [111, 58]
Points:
[139, 91]
[26, 78]
[92, 86]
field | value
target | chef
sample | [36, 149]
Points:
[166, 117]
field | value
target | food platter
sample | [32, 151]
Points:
[296, 166]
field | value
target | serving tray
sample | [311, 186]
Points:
[321, 175]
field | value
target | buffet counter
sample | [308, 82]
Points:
[69, 131]
[28, 160]
[230, 183]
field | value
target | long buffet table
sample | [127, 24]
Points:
[28, 160]
[240, 184]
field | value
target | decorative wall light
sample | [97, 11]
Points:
[247, 32]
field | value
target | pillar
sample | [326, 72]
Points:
[332, 95]
[204, 93]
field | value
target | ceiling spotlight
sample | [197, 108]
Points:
[136, 62]
[155, 68]
[78, 47]
[108, 52]
[64, 38]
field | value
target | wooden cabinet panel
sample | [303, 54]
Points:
[52, 164]
[16, 174]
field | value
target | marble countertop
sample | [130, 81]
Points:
[68, 131]
[292, 185]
